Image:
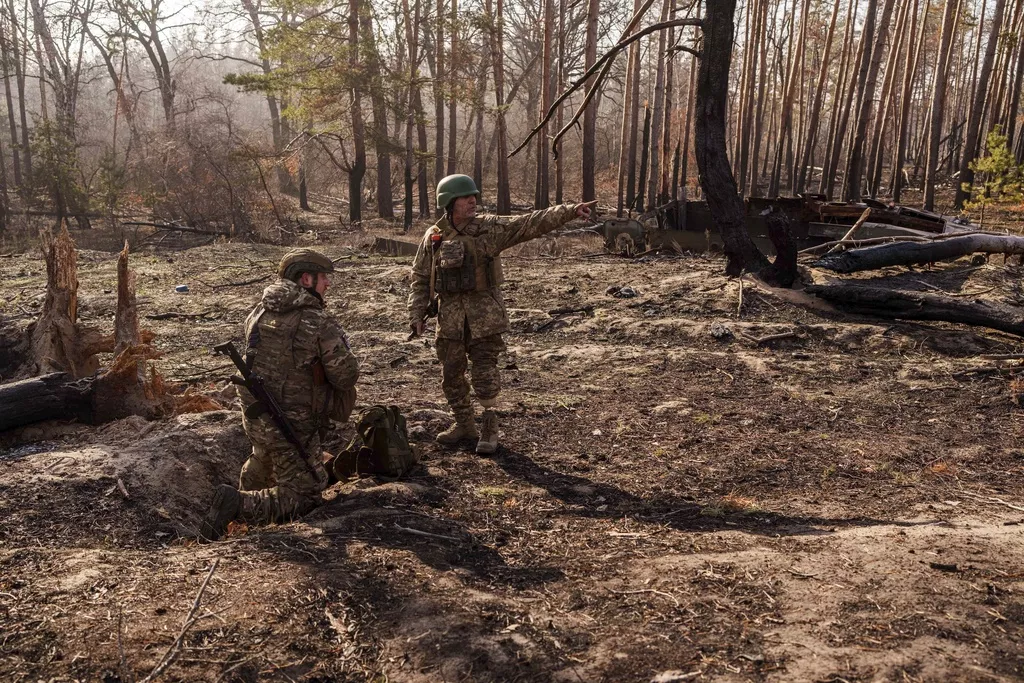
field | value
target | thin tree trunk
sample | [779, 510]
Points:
[358, 168]
[876, 141]
[813, 122]
[786, 116]
[497, 57]
[590, 114]
[755, 49]
[914, 55]
[853, 86]
[410, 114]
[20, 57]
[634, 124]
[688, 126]
[826, 182]
[658, 114]
[559, 116]
[542, 191]
[439, 85]
[645, 147]
[855, 163]
[453, 102]
[381, 141]
[628, 105]
[1012, 111]
[949, 21]
[666, 126]
[966, 179]
[762, 83]
[6, 57]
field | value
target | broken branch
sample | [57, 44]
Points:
[175, 649]
[603, 64]
[849, 233]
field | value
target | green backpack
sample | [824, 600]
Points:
[385, 448]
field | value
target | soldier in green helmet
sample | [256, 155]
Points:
[458, 269]
[303, 355]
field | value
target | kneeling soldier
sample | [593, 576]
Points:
[458, 269]
[303, 356]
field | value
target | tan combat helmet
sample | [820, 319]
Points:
[304, 261]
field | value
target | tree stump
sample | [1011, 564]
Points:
[57, 342]
[125, 388]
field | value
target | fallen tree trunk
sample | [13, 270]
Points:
[892, 303]
[915, 253]
[43, 398]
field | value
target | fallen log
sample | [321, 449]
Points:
[916, 253]
[56, 395]
[901, 304]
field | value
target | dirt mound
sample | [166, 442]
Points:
[159, 475]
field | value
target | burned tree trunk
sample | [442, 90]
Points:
[716, 177]
[44, 398]
[916, 253]
[889, 303]
[57, 342]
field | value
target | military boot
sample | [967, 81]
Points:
[488, 443]
[227, 503]
[463, 429]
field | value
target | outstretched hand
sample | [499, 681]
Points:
[583, 210]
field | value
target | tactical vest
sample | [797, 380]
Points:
[286, 357]
[476, 273]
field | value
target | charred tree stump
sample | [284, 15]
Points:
[57, 342]
[917, 253]
[123, 389]
[899, 304]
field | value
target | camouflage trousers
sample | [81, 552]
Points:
[480, 356]
[274, 484]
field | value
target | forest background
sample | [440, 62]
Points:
[234, 115]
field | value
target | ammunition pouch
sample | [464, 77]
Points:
[457, 279]
[470, 275]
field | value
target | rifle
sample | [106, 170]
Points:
[265, 401]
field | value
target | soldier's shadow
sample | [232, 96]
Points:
[585, 498]
[403, 516]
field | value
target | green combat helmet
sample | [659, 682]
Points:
[304, 261]
[455, 186]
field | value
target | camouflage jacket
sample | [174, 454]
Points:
[482, 310]
[303, 355]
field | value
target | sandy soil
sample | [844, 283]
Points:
[675, 499]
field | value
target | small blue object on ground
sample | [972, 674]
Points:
[181, 289]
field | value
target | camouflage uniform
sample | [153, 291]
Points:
[470, 323]
[304, 358]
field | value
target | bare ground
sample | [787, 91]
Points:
[845, 504]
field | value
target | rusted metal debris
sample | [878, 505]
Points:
[689, 225]
[392, 247]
